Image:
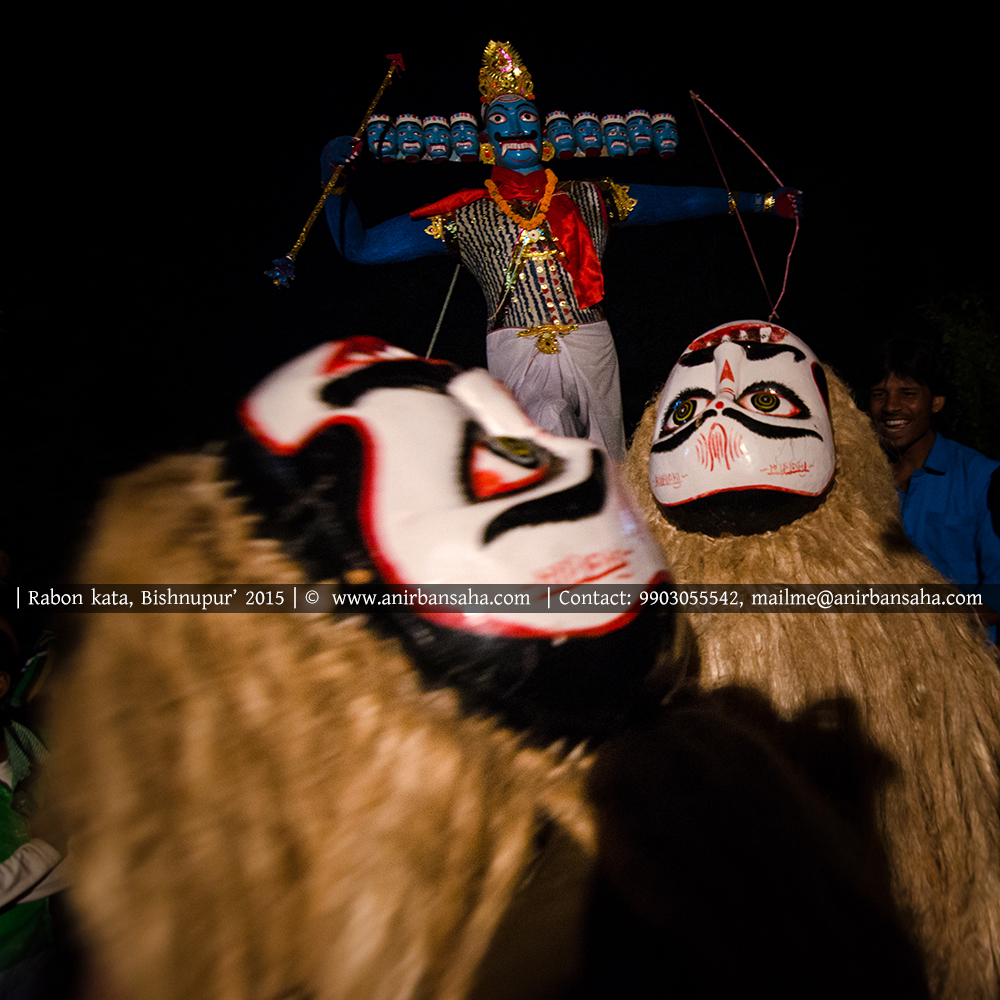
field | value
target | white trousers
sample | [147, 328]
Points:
[573, 393]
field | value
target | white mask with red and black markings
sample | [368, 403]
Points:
[743, 441]
[443, 480]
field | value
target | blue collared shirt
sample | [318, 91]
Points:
[946, 514]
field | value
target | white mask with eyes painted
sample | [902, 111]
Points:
[458, 486]
[743, 441]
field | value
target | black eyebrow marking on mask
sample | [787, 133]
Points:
[405, 374]
[761, 352]
[695, 358]
[573, 504]
[753, 351]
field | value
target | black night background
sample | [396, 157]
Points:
[155, 169]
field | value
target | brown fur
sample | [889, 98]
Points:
[925, 686]
[270, 803]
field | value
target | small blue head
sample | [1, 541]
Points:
[640, 132]
[587, 132]
[665, 134]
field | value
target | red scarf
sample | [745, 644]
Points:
[563, 217]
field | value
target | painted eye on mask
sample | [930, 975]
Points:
[528, 116]
[684, 409]
[498, 118]
[499, 466]
[774, 401]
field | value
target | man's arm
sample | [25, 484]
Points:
[397, 239]
[26, 869]
[656, 203]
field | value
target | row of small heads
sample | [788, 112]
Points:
[411, 138]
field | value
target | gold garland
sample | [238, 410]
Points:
[543, 206]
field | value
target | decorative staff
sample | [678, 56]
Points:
[282, 271]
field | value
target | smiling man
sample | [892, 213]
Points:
[949, 495]
[535, 245]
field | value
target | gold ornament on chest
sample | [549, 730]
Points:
[540, 243]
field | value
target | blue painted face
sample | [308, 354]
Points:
[437, 139]
[410, 140]
[560, 134]
[640, 134]
[665, 138]
[616, 140]
[374, 134]
[588, 135]
[465, 141]
[515, 133]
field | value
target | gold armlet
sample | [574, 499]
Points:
[442, 227]
[621, 204]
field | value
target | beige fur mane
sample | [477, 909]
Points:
[271, 803]
[924, 685]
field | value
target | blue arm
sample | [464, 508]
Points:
[395, 240]
[658, 204]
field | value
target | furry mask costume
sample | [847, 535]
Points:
[281, 805]
[924, 687]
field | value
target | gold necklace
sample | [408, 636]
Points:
[543, 206]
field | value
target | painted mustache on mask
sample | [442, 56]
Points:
[522, 137]
[758, 427]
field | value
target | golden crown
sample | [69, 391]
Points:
[503, 73]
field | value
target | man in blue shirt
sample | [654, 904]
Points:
[949, 494]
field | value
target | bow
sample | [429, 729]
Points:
[696, 100]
